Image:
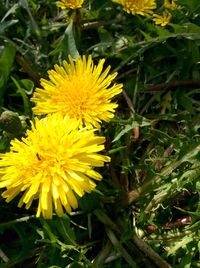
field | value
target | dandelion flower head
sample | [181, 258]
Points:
[140, 7]
[80, 90]
[162, 20]
[170, 4]
[70, 4]
[53, 164]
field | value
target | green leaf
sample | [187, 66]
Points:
[69, 33]
[28, 86]
[137, 121]
[186, 103]
[182, 243]
[6, 24]
[11, 11]
[67, 43]
[191, 5]
[35, 28]
[195, 214]
[89, 202]
[22, 92]
[6, 61]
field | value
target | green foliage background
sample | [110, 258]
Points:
[146, 210]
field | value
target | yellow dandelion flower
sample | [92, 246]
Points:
[80, 90]
[53, 164]
[162, 20]
[70, 4]
[170, 4]
[140, 7]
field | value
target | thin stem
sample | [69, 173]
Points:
[172, 85]
[23, 219]
[120, 248]
[147, 250]
[103, 254]
[27, 68]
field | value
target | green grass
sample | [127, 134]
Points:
[146, 211]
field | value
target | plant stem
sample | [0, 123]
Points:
[147, 250]
[120, 248]
[172, 85]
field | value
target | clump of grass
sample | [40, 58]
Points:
[145, 211]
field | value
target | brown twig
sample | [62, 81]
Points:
[3, 256]
[135, 194]
[26, 66]
[129, 102]
[167, 153]
[170, 225]
[125, 74]
[172, 85]
[97, 24]
[179, 223]
[112, 229]
[114, 176]
[136, 131]
[150, 252]
[118, 245]
[104, 253]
